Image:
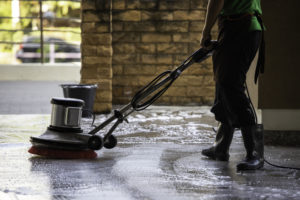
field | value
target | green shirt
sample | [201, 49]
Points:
[234, 7]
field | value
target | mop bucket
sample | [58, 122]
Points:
[85, 92]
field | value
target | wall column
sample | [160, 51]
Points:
[279, 87]
[96, 49]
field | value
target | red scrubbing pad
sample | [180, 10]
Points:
[63, 154]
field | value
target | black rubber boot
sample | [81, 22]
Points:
[254, 144]
[220, 149]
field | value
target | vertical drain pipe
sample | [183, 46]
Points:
[41, 31]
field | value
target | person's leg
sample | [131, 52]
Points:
[231, 62]
[237, 104]
[220, 149]
[253, 142]
[236, 50]
[232, 104]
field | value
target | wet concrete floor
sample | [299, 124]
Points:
[158, 156]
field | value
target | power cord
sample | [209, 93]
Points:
[279, 166]
[93, 114]
[255, 116]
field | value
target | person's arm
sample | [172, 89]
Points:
[214, 8]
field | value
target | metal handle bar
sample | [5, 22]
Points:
[164, 80]
[169, 77]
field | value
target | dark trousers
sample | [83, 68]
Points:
[231, 61]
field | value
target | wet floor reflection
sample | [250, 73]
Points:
[80, 179]
[158, 157]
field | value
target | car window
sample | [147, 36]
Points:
[32, 40]
[55, 40]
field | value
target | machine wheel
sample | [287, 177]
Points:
[110, 142]
[95, 142]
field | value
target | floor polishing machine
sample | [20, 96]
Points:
[65, 138]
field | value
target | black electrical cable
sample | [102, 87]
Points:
[283, 167]
[94, 117]
[150, 88]
[254, 113]
[93, 114]
[143, 99]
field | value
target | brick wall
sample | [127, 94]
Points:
[146, 37]
[96, 50]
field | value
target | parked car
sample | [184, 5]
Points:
[55, 50]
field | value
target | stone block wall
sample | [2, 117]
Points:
[146, 37]
[96, 50]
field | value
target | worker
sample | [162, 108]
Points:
[240, 36]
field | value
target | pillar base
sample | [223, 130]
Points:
[283, 138]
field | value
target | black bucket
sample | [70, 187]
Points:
[85, 92]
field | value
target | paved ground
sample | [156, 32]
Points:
[158, 157]
[28, 97]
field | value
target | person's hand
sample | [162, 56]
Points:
[205, 39]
